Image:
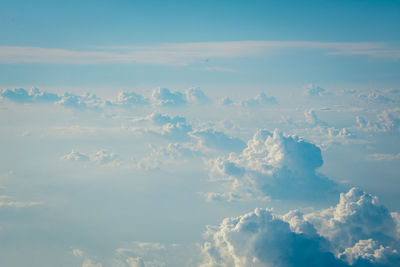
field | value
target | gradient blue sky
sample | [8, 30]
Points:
[99, 25]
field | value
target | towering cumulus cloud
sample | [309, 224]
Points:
[278, 166]
[261, 238]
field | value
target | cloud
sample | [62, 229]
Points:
[311, 117]
[20, 95]
[357, 216]
[183, 54]
[262, 238]
[172, 128]
[100, 157]
[275, 165]
[75, 156]
[369, 252]
[164, 97]
[226, 101]
[387, 121]
[130, 99]
[384, 157]
[19, 204]
[376, 97]
[86, 100]
[197, 96]
[219, 140]
[314, 90]
[105, 157]
[260, 99]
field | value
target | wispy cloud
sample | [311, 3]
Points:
[183, 54]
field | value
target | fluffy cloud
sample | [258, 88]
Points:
[86, 100]
[387, 120]
[261, 238]
[164, 97]
[278, 166]
[20, 95]
[260, 99]
[75, 156]
[314, 90]
[219, 140]
[311, 117]
[197, 96]
[130, 99]
[100, 157]
[170, 127]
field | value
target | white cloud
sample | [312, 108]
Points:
[197, 96]
[100, 157]
[311, 117]
[21, 95]
[384, 157]
[219, 140]
[75, 156]
[357, 216]
[369, 251]
[164, 97]
[276, 165]
[387, 121]
[130, 99]
[19, 204]
[262, 238]
[260, 99]
[314, 90]
[183, 54]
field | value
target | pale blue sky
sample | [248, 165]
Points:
[93, 26]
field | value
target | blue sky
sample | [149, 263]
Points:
[99, 25]
[199, 133]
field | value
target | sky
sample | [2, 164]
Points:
[199, 133]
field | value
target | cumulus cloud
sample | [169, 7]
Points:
[262, 238]
[376, 97]
[197, 96]
[314, 90]
[170, 127]
[260, 99]
[75, 156]
[219, 140]
[19, 204]
[21, 95]
[86, 100]
[384, 157]
[130, 99]
[276, 165]
[226, 101]
[311, 117]
[387, 121]
[100, 157]
[164, 97]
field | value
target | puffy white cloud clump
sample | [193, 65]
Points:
[262, 238]
[164, 97]
[314, 90]
[260, 99]
[101, 157]
[21, 95]
[130, 99]
[278, 166]
[219, 140]
[197, 96]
